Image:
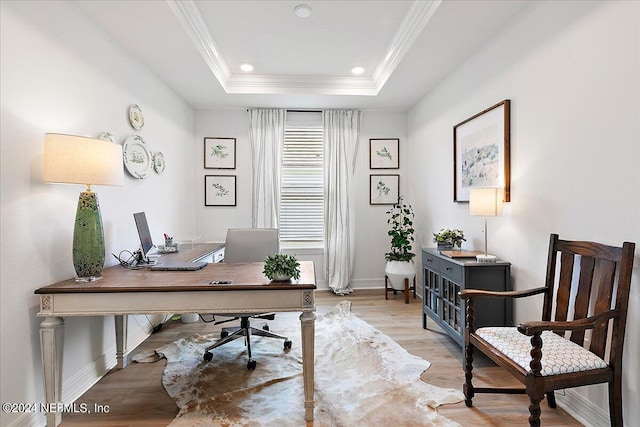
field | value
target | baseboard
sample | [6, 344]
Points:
[582, 409]
[372, 283]
[83, 380]
[366, 284]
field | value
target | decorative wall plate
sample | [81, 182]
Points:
[106, 136]
[158, 162]
[137, 159]
[135, 117]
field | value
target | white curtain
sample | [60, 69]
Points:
[266, 136]
[341, 130]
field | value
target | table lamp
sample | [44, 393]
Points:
[485, 202]
[81, 160]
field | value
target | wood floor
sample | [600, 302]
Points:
[135, 396]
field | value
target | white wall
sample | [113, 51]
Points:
[572, 72]
[61, 74]
[372, 241]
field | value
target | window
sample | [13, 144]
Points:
[302, 185]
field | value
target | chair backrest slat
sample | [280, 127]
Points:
[583, 296]
[564, 286]
[604, 282]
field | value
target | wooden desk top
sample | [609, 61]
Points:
[245, 276]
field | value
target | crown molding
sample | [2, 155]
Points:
[189, 16]
[413, 23]
[292, 84]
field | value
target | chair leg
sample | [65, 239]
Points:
[551, 400]
[247, 328]
[222, 341]
[467, 387]
[615, 402]
[534, 408]
[265, 333]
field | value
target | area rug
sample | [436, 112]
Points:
[362, 378]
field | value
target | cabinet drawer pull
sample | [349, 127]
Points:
[449, 268]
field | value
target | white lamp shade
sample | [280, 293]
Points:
[81, 160]
[485, 201]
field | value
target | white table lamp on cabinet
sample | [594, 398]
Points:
[485, 202]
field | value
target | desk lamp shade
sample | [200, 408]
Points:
[81, 160]
[485, 202]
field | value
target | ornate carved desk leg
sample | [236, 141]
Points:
[307, 321]
[51, 334]
[121, 341]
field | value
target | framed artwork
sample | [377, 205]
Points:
[384, 189]
[219, 190]
[384, 153]
[219, 153]
[481, 146]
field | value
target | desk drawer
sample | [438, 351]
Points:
[451, 271]
[430, 261]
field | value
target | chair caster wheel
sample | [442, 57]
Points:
[287, 344]
[265, 328]
[251, 365]
[208, 357]
[224, 334]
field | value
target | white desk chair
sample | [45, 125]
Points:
[248, 245]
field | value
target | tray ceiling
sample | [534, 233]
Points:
[404, 47]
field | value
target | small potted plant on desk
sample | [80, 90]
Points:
[449, 239]
[400, 263]
[281, 267]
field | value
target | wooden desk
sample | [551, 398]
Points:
[122, 292]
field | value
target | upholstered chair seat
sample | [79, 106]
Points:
[559, 355]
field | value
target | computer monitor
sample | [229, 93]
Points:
[146, 243]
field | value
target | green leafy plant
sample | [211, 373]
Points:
[401, 221]
[281, 264]
[449, 235]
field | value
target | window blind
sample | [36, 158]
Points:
[302, 182]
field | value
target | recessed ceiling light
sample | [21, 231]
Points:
[357, 70]
[302, 11]
[247, 68]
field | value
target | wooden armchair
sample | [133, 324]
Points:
[569, 348]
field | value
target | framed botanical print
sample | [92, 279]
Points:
[384, 153]
[481, 152]
[384, 189]
[219, 190]
[219, 153]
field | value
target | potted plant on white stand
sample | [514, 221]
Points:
[400, 263]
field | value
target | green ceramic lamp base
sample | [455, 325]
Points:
[88, 239]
